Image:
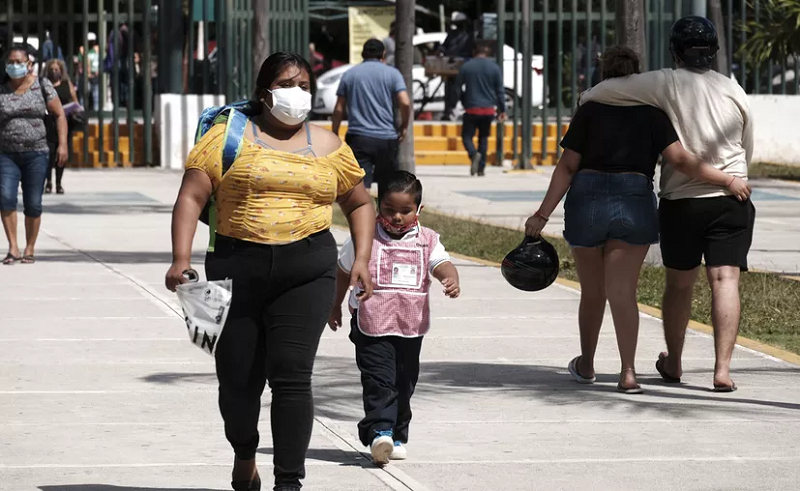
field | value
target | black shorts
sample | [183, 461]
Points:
[717, 229]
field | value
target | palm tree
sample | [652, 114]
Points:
[776, 36]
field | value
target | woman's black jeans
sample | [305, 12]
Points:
[282, 296]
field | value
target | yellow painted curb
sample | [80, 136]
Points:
[482, 262]
[657, 313]
[740, 340]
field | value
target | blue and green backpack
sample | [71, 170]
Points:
[235, 117]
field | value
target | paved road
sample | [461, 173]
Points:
[508, 199]
[101, 391]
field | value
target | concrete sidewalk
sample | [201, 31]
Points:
[100, 389]
[508, 199]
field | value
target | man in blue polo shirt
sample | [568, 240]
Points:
[369, 93]
[480, 88]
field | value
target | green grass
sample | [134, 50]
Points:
[770, 304]
[775, 171]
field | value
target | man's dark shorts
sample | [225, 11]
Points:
[717, 229]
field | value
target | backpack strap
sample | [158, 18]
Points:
[234, 138]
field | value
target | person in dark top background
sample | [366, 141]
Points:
[479, 87]
[610, 216]
[56, 71]
[459, 43]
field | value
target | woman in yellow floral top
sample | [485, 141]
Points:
[274, 211]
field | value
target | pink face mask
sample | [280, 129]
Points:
[401, 229]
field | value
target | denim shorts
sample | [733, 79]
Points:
[602, 206]
[28, 169]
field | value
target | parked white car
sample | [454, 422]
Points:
[328, 83]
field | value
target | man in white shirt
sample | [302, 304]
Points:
[712, 117]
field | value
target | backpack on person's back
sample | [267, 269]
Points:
[234, 117]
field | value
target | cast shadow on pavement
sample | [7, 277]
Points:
[337, 391]
[106, 209]
[110, 487]
[111, 257]
[554, 385]
[341, 457]
[170, 378]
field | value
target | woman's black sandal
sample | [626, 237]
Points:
[663, 371]
[9, 259]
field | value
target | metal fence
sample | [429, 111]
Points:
[117, 56]
[289, 26]
[569, 34]
[120, 53]
[143, 47]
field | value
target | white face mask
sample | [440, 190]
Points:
[290, 106]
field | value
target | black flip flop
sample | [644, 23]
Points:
[9, 259]
[28, 260]
[725, 388]
[573, 370]
[664, 375]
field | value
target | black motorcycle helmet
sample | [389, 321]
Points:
[693, 40]
[531, 266]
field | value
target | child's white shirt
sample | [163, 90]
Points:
[347, 256]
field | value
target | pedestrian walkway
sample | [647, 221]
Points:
[508, 199]
[100, 389]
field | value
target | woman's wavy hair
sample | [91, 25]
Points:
[63, 66]
[618, 61]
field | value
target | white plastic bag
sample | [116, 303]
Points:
[205, 308]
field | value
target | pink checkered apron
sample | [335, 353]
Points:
[400, 281]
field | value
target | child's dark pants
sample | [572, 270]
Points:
[389, 368]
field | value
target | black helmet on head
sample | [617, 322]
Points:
[693, 40]
[531, 266]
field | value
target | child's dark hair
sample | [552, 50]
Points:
[401, 182]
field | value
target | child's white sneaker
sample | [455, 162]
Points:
[398, 452]
[382, 447]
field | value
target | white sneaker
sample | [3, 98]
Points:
[381, 449]
[398, 452]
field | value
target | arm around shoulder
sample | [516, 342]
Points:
[649, 88]
[687, 163]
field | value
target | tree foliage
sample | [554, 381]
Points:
[776, 35]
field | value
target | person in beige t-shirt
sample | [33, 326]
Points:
[711, 115]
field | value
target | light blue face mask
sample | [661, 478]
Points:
[16, 70]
